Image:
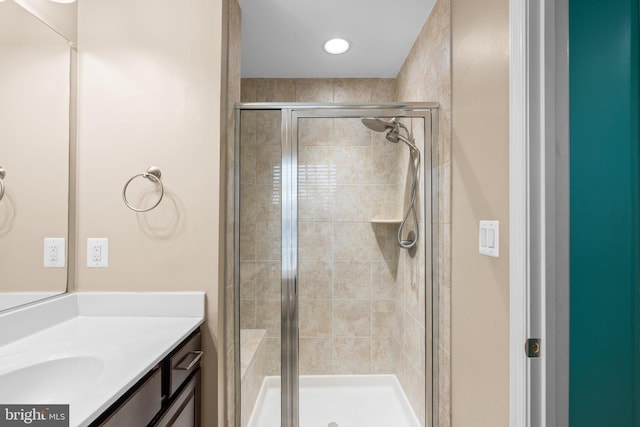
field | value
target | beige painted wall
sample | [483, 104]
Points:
[149, 93]
[480, 182]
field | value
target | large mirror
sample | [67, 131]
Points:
[34, 156]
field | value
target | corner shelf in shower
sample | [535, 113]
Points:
[385, 221]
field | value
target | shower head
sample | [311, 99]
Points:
[379, 125]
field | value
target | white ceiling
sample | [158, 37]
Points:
[284, 38]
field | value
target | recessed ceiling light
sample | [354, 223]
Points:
[63, 1]
[336, 46]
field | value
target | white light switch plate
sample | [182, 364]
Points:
[97, 252]
[489, 238]
[54, 252]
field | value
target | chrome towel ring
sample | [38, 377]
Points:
[3, 173]
[153, 174]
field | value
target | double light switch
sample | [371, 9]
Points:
[489, 238]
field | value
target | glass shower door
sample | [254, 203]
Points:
[361, 298]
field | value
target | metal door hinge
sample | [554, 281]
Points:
[532, 347]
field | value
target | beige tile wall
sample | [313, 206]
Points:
[252, 369]
[318, 90]
[414, 280]
[426, 75]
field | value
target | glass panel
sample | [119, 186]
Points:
[260, 266]
[361, 297]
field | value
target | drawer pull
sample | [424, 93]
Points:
[189, 361]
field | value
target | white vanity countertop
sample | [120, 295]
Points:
[121, 336]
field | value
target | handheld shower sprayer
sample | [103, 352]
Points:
[393, 128]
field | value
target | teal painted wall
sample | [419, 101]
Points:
[603, 64]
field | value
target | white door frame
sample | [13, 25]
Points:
[518, 212]
[538, 198]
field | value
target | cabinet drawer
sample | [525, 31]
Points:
[184, 362]
[141, 406]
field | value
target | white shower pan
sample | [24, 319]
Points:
[339, 401]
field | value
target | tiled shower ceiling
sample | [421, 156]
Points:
[284, 38]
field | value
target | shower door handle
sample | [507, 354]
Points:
[289, 297]
[293, 299]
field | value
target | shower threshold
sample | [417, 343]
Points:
[344, 400]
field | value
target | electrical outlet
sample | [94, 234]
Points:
[54, 252]
[97, 252]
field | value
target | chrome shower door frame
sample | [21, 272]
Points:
[291, 113]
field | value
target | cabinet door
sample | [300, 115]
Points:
[187, 416]
[184, 411]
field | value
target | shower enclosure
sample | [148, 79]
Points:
[334, 259]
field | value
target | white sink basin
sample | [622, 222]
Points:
[54, 381]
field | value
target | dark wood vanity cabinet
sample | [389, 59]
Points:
[167, 396]
[181, 386]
